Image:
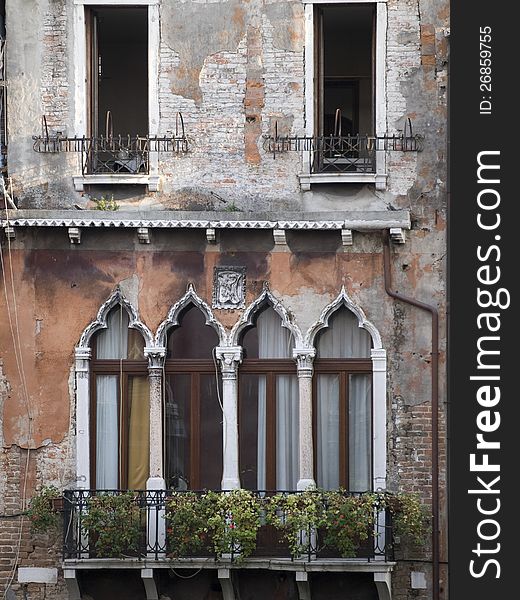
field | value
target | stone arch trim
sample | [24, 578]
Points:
[190, 297]
[100, 322]
[247, 318]
[343, 299]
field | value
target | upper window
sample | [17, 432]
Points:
[120, 416]
[268, 406]
[117, 74]
[344, 79]
[193, 405]
[343, 405]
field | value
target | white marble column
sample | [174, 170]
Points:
[229, 359]
[304, 359]
[156, 523]
[83, 417]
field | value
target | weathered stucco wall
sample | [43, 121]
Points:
[232, 69]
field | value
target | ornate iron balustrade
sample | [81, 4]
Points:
[149, 516]
[110, 153]
[342, 154]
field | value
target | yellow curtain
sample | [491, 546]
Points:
[138, 433]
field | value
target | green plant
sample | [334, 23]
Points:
[297, 516]
[227, 522]
[105, 203]
[43, 512]
[186, 514]
[113, 525]
[410, 517]
[233, 522]
[349, 520]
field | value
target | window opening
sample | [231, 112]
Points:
[193, 415]
[120, 420]
[268, 406]
[343, 405]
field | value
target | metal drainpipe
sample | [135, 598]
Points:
[434, 407]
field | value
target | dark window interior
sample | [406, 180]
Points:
[193, 415]
[119, 70]
[346, 64]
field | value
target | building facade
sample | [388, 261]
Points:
[223, 267]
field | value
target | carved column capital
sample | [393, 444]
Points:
[82, 355]
[155, 358]
[304, 361]
[229, 358]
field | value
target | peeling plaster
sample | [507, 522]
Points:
[196, 31]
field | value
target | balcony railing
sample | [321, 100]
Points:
[343, 153]
[140, 526]
[109, 153]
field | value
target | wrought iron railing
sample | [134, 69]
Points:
[115, 154]
[338, 153]
[150, 520]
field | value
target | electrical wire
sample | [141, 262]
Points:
[21, 372]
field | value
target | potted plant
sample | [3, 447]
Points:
[187, 527]
[410, 516]
[349, 520]
[298, 516]
[112, 522]
[233, 522]
[44, 509]
[226, 522]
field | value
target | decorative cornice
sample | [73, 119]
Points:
[247, 318]
[101, 320]
[190, 297]
[358, 220]
[343, 299]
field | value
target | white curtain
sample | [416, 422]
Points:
[274, 341]
[360, 430]
[112, 343]
[328, 432]
[344, 339]
[107, 438]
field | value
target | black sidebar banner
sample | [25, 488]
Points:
[484, 319]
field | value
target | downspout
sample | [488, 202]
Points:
[434, 407]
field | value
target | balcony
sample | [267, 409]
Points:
[234, 527]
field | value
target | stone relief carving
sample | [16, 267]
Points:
[229, 287]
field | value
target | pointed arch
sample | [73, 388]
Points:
[190, 297]
[343, 299]
[115, 298]
[248, 317]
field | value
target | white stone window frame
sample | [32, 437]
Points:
[380, 176]
[378, 356]
[80, 90]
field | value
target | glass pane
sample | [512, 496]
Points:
[252, 431]
[286, 432]
[107, 438]
[193, 339]
[177, 415]
[138, 432]
[210, 434]
[112, 342]
[327, 438]
[360, 432]
[343, 338]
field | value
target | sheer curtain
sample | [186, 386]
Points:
[112, 343]
[274, 341]
[117, 342]
[344, 339]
